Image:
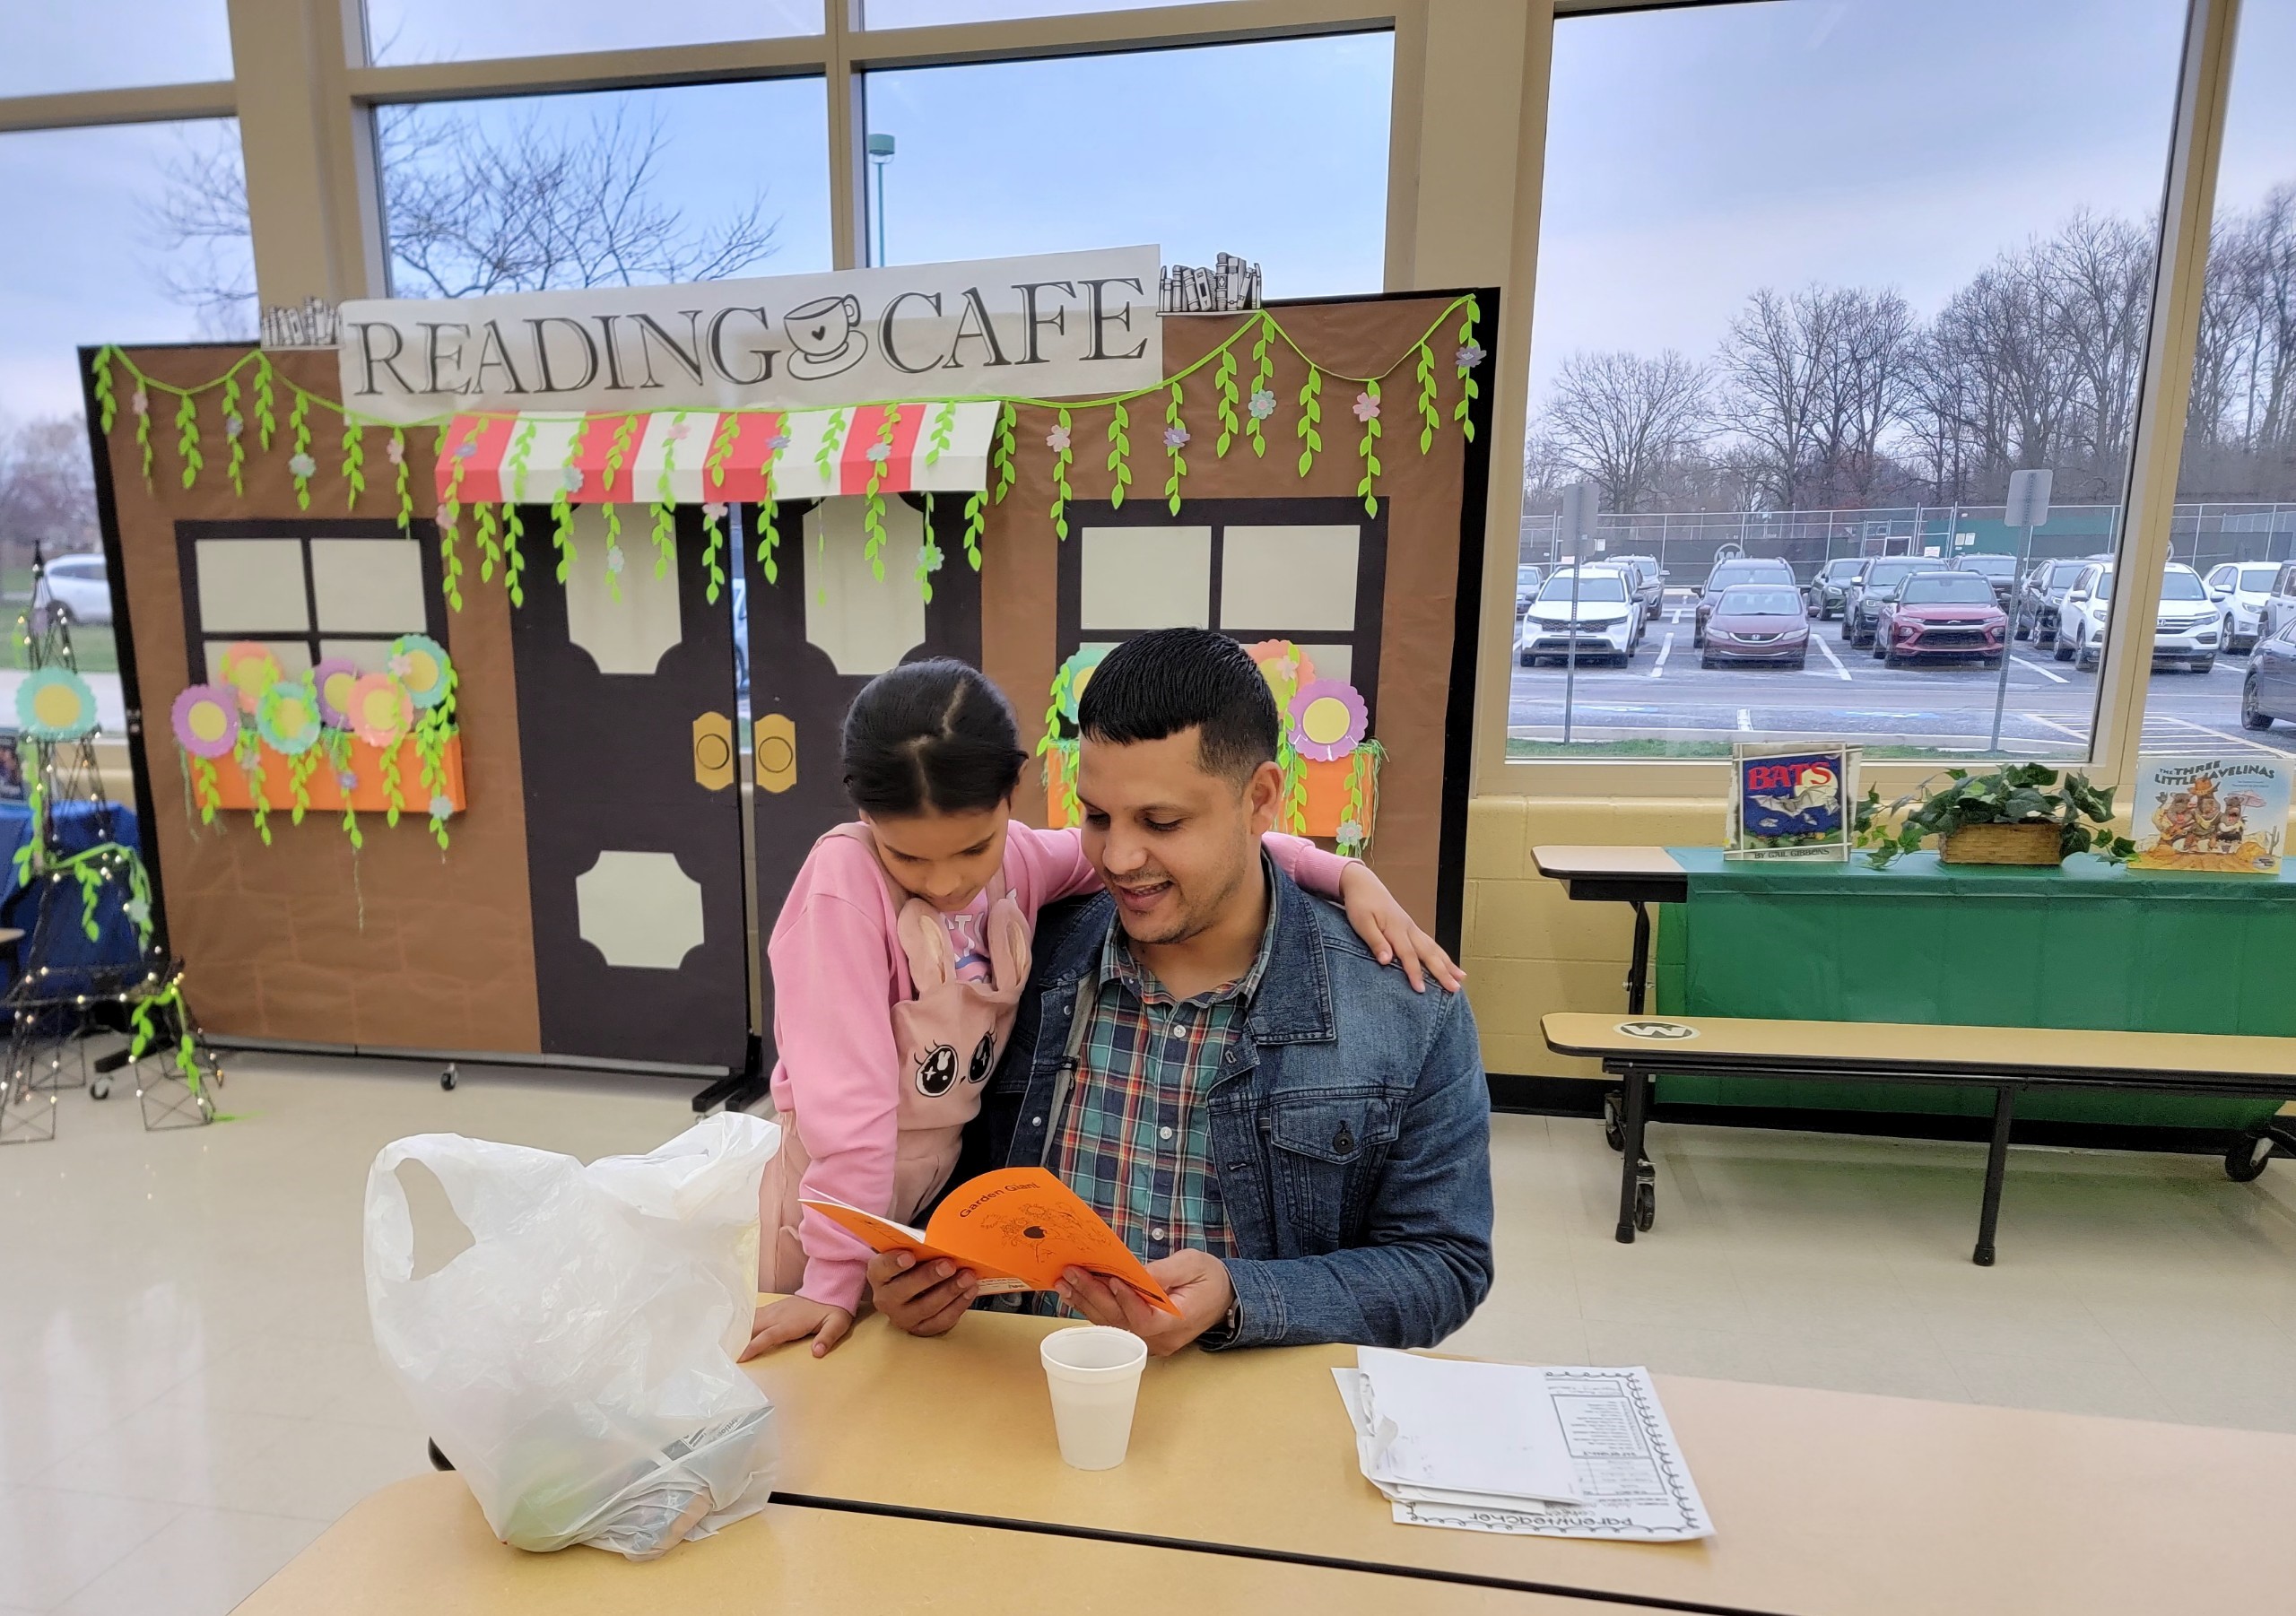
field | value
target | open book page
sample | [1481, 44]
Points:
[1017, 1228]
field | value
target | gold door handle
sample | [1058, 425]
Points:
[774, 749]
[713, 752]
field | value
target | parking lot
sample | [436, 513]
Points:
[1664, 704]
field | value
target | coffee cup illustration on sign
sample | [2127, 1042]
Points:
[827, 335]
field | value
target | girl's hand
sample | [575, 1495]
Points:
[1394, 938]
[793, 1318]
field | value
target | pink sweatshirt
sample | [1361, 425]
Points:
[839, 970]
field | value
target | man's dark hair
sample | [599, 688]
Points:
[1170, 679]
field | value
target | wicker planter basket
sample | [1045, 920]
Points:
[2035, 844]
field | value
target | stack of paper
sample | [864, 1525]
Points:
[1507, 1448]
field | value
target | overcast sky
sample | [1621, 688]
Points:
[1693, 156]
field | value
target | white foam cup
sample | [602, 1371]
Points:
[1094, 1374]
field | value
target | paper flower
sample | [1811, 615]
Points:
[138, 912]
[140, 402]
[303, 465]
[347, 780]
[1327, 720]
[1349, 834]
[571, 476]
[233, 426]
[56, 704]
[614, 558]
[206, 720]
[394, 450]
[777, 442]
[380, 711]
[467, 449]
[1469, 356]
[715, 510]
[1079, 670]
[1175, 438]
[878, 451]
[333, 680]
[677, 431]
[288, 717]
[1057, 440]
[441, 805]
[422, 665]
[250, 667]
[1263, 404]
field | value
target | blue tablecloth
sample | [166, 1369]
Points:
[79, 826]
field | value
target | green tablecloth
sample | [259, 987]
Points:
[2086, 945]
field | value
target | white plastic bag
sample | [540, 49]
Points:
[577, 1363]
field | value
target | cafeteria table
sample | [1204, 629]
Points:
[422, 1545]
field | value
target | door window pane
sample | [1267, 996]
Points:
[1276, 151]
[2235, 524]
[111, 44]
[925, 13]
[1800, 299]
[630, 186]
[447, 30]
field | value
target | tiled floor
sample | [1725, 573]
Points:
[187, 1393]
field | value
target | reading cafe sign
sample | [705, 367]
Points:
[1054, 325]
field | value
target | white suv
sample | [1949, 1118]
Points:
[1604, 622]
[2189, 628]
[2242, 588]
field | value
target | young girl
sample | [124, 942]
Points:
[897, 960]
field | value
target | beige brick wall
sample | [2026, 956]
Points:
[1528, 949]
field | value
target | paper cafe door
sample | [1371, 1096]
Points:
[824, 630]
[634, 811]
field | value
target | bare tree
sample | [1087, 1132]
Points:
[1621, 419]
[48, 493]
[2100, 273]
[1774, 360]
[469, 211]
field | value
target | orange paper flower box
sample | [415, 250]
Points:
[326, 791]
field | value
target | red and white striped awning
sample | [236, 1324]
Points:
[694, 456]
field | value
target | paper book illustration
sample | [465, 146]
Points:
[2224, 814]
[1017, 1229]
[1792, 801]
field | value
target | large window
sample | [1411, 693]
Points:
[431, 30]
[615, 187]
[60, 45]
[1274, 152]
[142, 236]
[1814, 280]
[2236, 511]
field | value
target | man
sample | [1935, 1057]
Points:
[1293, 1140]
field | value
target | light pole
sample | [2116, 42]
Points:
[2027, 508]
[880, 149]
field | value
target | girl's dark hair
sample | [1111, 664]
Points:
[933, 736]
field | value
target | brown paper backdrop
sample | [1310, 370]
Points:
[272, 937]
[1421, 494]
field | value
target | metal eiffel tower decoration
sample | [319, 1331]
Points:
[61, 992]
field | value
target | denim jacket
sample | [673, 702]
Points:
[1351, 1130]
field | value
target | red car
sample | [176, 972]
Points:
[1940, 615]
[1758, 622]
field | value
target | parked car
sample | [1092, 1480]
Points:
[2189, 628]
[1604, 619]
[1527, 585]
[1999, 570]
[1939, 615]
[2243, 588]
[1652, 579]
[2279, 606]
[1733, 571]
[1758, 622]
[2040, 595]
[78, 583]
[1827, 589]
[2269, 691]
[1880, 573]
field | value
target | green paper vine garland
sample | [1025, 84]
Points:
[1238, 410]
[1366, 410]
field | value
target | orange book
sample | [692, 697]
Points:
[1017, 1229]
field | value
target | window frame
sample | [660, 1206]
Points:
[422, 535]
